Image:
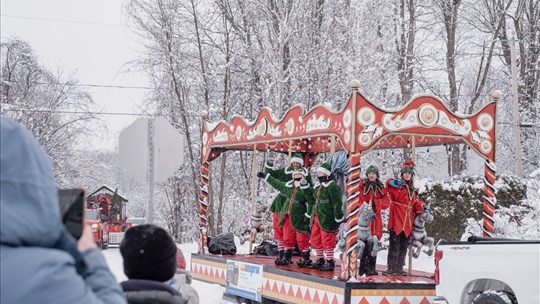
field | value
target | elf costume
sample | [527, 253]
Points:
[375, 193]
[291, 212]
[325, 213]
[283, 175]
[404, 206]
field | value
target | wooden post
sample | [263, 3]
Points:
[332, 144]
[203, 192]
[488, 224]
[413, 157]
[349, 259]
[253, 183]
[290, 152]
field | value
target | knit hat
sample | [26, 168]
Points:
[408, 166]
[372, 169]
[324, 168]
[149, 253]
[297, 158]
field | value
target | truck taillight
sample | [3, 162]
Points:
[438, 257]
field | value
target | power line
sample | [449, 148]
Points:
[523, 125]
[93, 113]
[84, 85]
[61, 20]
[76, 112]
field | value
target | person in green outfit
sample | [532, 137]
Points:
[291, 212]
[325, 213]
[284, 175]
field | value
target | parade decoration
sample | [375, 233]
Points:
[357, 128]
[420, 237]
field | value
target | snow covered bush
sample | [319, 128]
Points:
[520, 220]
[457, 205]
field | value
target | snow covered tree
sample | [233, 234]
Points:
[50, 105]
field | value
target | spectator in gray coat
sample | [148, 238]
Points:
[40, 261]
[183, 278]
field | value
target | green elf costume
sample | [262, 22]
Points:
[291, 213]
[325, 213]
[284, 175]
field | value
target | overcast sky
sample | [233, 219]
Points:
[90, 38]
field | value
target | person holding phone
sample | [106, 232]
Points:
[40, 261]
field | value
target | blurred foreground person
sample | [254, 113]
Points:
[40, 261]
[182, 280]
[149, 254]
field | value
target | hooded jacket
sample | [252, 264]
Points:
[182, 283]
[35, 262]
[151, 292]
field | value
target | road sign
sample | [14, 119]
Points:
[134, 145]
[150, 150]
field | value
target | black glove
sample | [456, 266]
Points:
[261, 175]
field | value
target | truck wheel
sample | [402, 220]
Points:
[495, 297]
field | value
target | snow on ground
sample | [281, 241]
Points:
[213, 293]
[208, 293]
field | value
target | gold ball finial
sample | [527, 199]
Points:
[355, 84]
[496, 95]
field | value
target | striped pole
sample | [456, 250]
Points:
[488, 225]
[203, 206]
[349, 260]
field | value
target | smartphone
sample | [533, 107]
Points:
[72, 210]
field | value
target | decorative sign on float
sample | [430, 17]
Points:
[244, 280]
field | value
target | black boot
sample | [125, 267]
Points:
[288, 257]
[328, 266]
[401, 272]
[318, 264]
[279, 259]
[372, 264]
[305, 262]
[390, 271]
[393, 255]
[403, 248]
[364, 261]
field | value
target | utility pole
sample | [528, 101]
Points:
[151, 173]
[515, 109]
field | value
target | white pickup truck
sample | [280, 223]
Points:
[487, 271]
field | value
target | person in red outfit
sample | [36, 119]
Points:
[104, 204]
[372, 191]
[404, 205]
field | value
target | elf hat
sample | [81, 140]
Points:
[408, 166]
[372, 169]
[324, 168]
[300, 170]
[297, 158]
